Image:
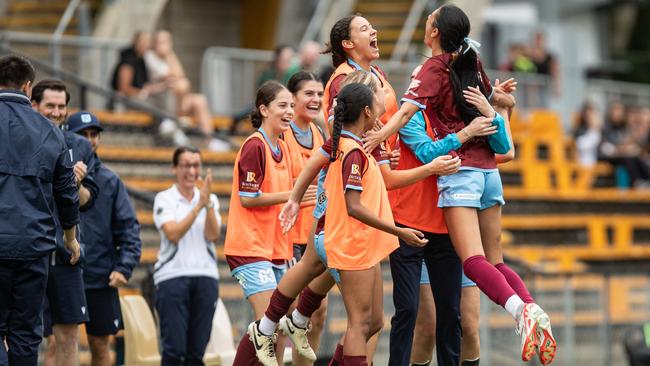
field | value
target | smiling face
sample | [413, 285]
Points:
[363, 40]
[53, 106]
[187, 170]
[279, 113]
[308, 100]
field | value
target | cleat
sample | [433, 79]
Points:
[546, 342]
[264, 345]
[298, 336]
[526, 328]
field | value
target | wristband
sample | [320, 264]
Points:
[469, 137]
[210, 205]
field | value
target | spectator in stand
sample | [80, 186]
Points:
[164, 67]
[130, 77]
[546, 65]
[111, 236]
[620, 149]
[518, 60]
[280, 67]
[308, 58]
[588, 134]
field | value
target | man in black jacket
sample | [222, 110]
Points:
[36, 177]
[110, 234]
[66, 307]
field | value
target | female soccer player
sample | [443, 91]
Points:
[304, 139]
[355, 243]
[471, 199]
[353, 45]
[256, 248]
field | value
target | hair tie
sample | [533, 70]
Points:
[471, 44]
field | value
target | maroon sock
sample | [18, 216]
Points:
[309, 302]
[492, 282]
[278, 306]
[355, 361]
[515, 282]
[337, 359]
[246, 353]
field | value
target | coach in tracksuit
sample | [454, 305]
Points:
[65, 306]
[36, 176]
[110, 234]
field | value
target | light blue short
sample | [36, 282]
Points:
[424, 278]
[259, 276]
[319, 244]
[471, 188]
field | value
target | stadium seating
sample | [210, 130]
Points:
[221, 345]
[141, 335]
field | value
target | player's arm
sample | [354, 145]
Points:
[372, 139]
[442, 165]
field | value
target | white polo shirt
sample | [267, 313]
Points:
[193, 255]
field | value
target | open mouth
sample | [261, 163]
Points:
[314, 108]
[286, 120]
[373, 43]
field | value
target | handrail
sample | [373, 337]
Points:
[87, 86]
[63, 40]
[406, 34]
[316, 21]
[60, 28]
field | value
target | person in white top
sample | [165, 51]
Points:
[164, 66]
[186, 274]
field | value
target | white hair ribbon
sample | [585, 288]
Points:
[472, 44]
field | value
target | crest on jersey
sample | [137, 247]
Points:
[355, 169]
[250, 177]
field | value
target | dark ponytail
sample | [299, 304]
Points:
[454, 27]
[265, 95]
[339, 33]
[295, 82]
[350, 102]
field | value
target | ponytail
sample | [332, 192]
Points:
[350, 102]
[339, 33]
[454, 27]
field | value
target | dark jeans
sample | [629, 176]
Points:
[22, 288]
[186, 306]
[445, 273]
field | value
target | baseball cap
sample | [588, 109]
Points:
[83, 120]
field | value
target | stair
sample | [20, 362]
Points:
[388, 18]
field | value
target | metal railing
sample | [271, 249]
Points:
[406, 34]
[80, 45]
[85, 88]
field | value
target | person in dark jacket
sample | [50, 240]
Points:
[36, 176]
[65, 306]
[110, 233]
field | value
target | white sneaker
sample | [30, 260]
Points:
[298, 337]
[547, 344]
[180, 138]
[264, 345]
[167, 128]
[526, 328]
[218, 145]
